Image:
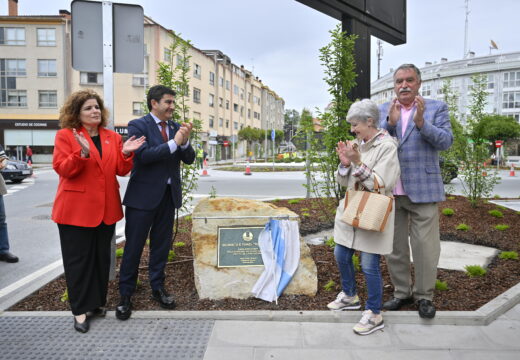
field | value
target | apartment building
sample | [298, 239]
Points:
[36, 77]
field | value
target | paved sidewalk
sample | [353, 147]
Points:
[161, 335]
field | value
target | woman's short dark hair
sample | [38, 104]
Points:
[69, 112]
[156, 93]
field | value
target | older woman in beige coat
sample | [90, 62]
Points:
[372, 155]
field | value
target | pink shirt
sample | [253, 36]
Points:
[405, 117]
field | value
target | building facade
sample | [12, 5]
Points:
[36, 76]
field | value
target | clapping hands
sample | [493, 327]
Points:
[348, 153]
[132, 144]
[183, 134]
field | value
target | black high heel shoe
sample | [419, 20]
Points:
[97, 312]
[81, 327]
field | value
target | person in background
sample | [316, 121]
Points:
[28, 154]
[153, 193]
[422, 127]
[5, 255]
[87, 157]
[200, 156]
[375, 160]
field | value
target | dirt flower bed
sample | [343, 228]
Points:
[464, 293]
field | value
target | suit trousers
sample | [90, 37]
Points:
[416, 227]
[158, 223]
[86, 260]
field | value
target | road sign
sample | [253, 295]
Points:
[127, 23]
[498, 143]
[225, 143]
[273, 135]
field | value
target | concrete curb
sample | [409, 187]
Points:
[483, 316]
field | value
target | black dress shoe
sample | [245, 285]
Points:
[8, 257]
[426, 309]
[97, 312]
[396, 303]
[124, 308]
[81, 327]
[163, 298]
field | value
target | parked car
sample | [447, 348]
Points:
[449, 170]
[16, 171]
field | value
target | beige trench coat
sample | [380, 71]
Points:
[380, 155]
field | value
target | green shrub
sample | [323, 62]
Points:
[496, 196]
[305, 209]
[65, 296]
[330, 242]
[306, 214]
[463, 227]
[355, 261]
[187, 218]
[171, 255]
[475, 270]
[293, 201]
[501, 227]
[276, 200]
[441, 285]
[138, 283]
[496, 213]
[179, 244]
[120, 252]
[329, 286]
[451, 197]
[509, 255]
[448, 211]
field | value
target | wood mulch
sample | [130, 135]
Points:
[464, 292]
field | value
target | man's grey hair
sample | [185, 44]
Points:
[409, 66]
[362, 110]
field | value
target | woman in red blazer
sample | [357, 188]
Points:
[87, 157]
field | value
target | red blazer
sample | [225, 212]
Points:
[88, 191]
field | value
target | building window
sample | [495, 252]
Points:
[197, 71]
[242, 94]
[181, 62]
[227, 104]
[235, 89]
[12, 36]
[511, 100]
[139, 80]
[220, 122]
[48, 98]
[46, 37]
[137, 108]
[196, 95]
[91, 78]
[12, 67]
[167, 55]
[426, 89]
[249, 113]
[235, 107]
[196, 115]
[235, 125]
[211, 100]
[228, 85]
[241, 111]
[212, 78]
[211, 121]
[491, 81]
[227, 124]
[220, 102]
[47, 68]
[221, 81]
[512, 79]
[17, 98]
[256, 115]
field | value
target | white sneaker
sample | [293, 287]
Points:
[344, 302]
[369, 323]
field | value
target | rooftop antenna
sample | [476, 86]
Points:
[379, 57]
[466, 30]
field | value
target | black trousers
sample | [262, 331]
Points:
[86, 260]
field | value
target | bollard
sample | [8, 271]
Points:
[204, 168]
[248, 169]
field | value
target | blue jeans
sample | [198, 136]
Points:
[4, 238]
[371, 270]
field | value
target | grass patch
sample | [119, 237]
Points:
[330, 242]
[475, 270]
[508, 255]
[496, 213]
[355, 261]
[171, 255]
[448, 211]
[179, 244]
[65, 296]
[441, 285]
[120, 252]
[329, 286]
[502, 227]
[293, 201]
[462, 227]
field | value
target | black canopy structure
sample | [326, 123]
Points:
[385, 19]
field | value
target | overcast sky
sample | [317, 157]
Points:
[279, 39]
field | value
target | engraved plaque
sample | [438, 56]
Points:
[238, 246]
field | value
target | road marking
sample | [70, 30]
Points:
[31, 277]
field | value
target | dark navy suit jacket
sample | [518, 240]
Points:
[154, 164]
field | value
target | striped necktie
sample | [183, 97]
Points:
[163, 131]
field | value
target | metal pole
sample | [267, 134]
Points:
[108, 94]
[308, 164]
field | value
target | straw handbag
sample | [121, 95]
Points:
[367, 210]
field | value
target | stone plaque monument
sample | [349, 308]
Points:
[239, 270]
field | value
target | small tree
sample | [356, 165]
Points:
[474, 151]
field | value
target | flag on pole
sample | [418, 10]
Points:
[494, 45]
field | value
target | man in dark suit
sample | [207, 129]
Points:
[153, 194]
[423, 128]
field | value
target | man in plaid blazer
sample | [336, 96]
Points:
[423, 128]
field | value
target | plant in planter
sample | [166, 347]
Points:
[501, 227]
[475, 270]
[441, 285]
[463, 227]
[448, 211]
[329, 286]
[496, 213]
[508, 255]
